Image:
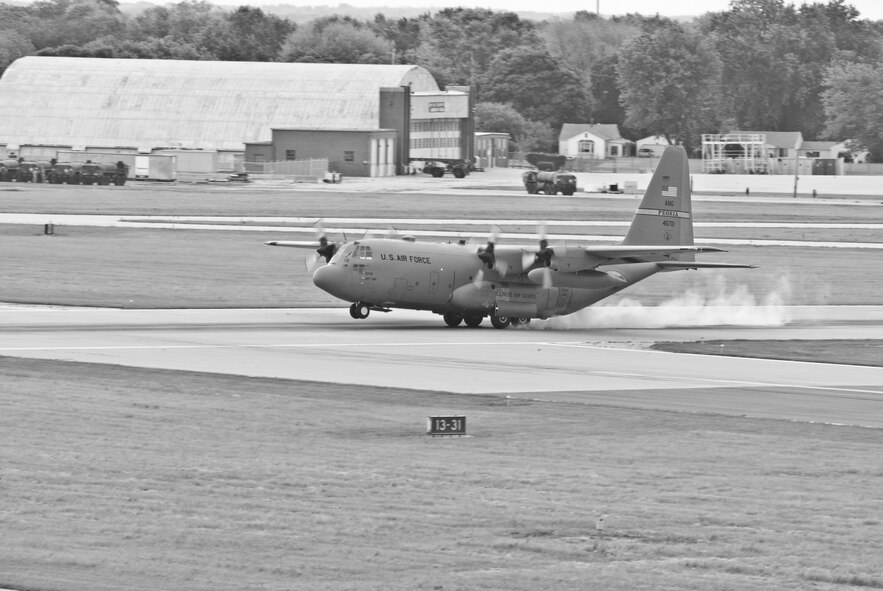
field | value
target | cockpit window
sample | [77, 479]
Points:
[364, 253]
[343, 253]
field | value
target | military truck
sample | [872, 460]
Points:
[549, 182]
[32, 172]
[438, 168]
[9, 170]
[116, 174]
[65, 172]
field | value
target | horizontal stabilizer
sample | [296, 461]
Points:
[292, 243]
[697, 265]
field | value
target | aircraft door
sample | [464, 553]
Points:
[441, 285]
[397, 292]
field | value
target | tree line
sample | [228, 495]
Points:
[760, 65]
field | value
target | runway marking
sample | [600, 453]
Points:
[575, 344]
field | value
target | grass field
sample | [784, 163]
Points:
[118, 478]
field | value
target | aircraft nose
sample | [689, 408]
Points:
[328, 278]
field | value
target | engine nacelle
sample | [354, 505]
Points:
[474, 296]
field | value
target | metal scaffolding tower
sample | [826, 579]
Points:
[739, 153]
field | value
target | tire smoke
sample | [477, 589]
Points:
[715, 304]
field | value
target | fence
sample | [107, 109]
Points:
[313, 167]
[776, 166]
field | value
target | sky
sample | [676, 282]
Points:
[870, 9]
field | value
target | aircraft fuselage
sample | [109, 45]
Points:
[450, 279]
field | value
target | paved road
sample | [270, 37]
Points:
[414, 350]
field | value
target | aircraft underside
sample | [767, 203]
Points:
[505, 304]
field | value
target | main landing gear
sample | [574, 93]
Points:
[453, 320]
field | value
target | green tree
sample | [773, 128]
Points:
[13, 45]
[404, 34]
[853, 101]
[246, 34]
[336, 43]
[183, 22]
[670, 84]
[459, 44]
[72, 22]
[775, 56]
[606, 105]
[537, 86]
[501, 118]
[587, 45]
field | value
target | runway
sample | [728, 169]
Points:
[607, 365]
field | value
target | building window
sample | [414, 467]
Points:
[349, 156]
[585, 147]
[291, 154]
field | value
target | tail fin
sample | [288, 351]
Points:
[665, 216]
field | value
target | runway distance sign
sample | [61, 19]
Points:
[446, 425]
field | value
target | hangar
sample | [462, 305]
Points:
[126, 107]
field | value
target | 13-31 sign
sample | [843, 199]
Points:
[448, 425]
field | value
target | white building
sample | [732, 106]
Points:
[597, 140]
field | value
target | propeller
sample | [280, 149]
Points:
[542, 258]
[488, 256]
[325, 251]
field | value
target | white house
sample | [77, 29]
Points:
[820, 149]
[597, 140]
[779, 144]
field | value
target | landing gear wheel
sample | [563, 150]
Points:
[500, 321]
[520, 321]
[359, 311]
[473, 321]
[451, 319]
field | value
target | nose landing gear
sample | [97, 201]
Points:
[359, 310]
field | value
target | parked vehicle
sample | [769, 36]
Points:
[438, 168]
[9, 170]
[549, 182]
[32, 172]
[66, 173]
[115, 174]
[92, 173]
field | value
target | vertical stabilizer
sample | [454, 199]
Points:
[665, 216]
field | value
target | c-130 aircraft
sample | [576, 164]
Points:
[513, 284]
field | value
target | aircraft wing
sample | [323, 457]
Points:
[703, 265]
[629, 251]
